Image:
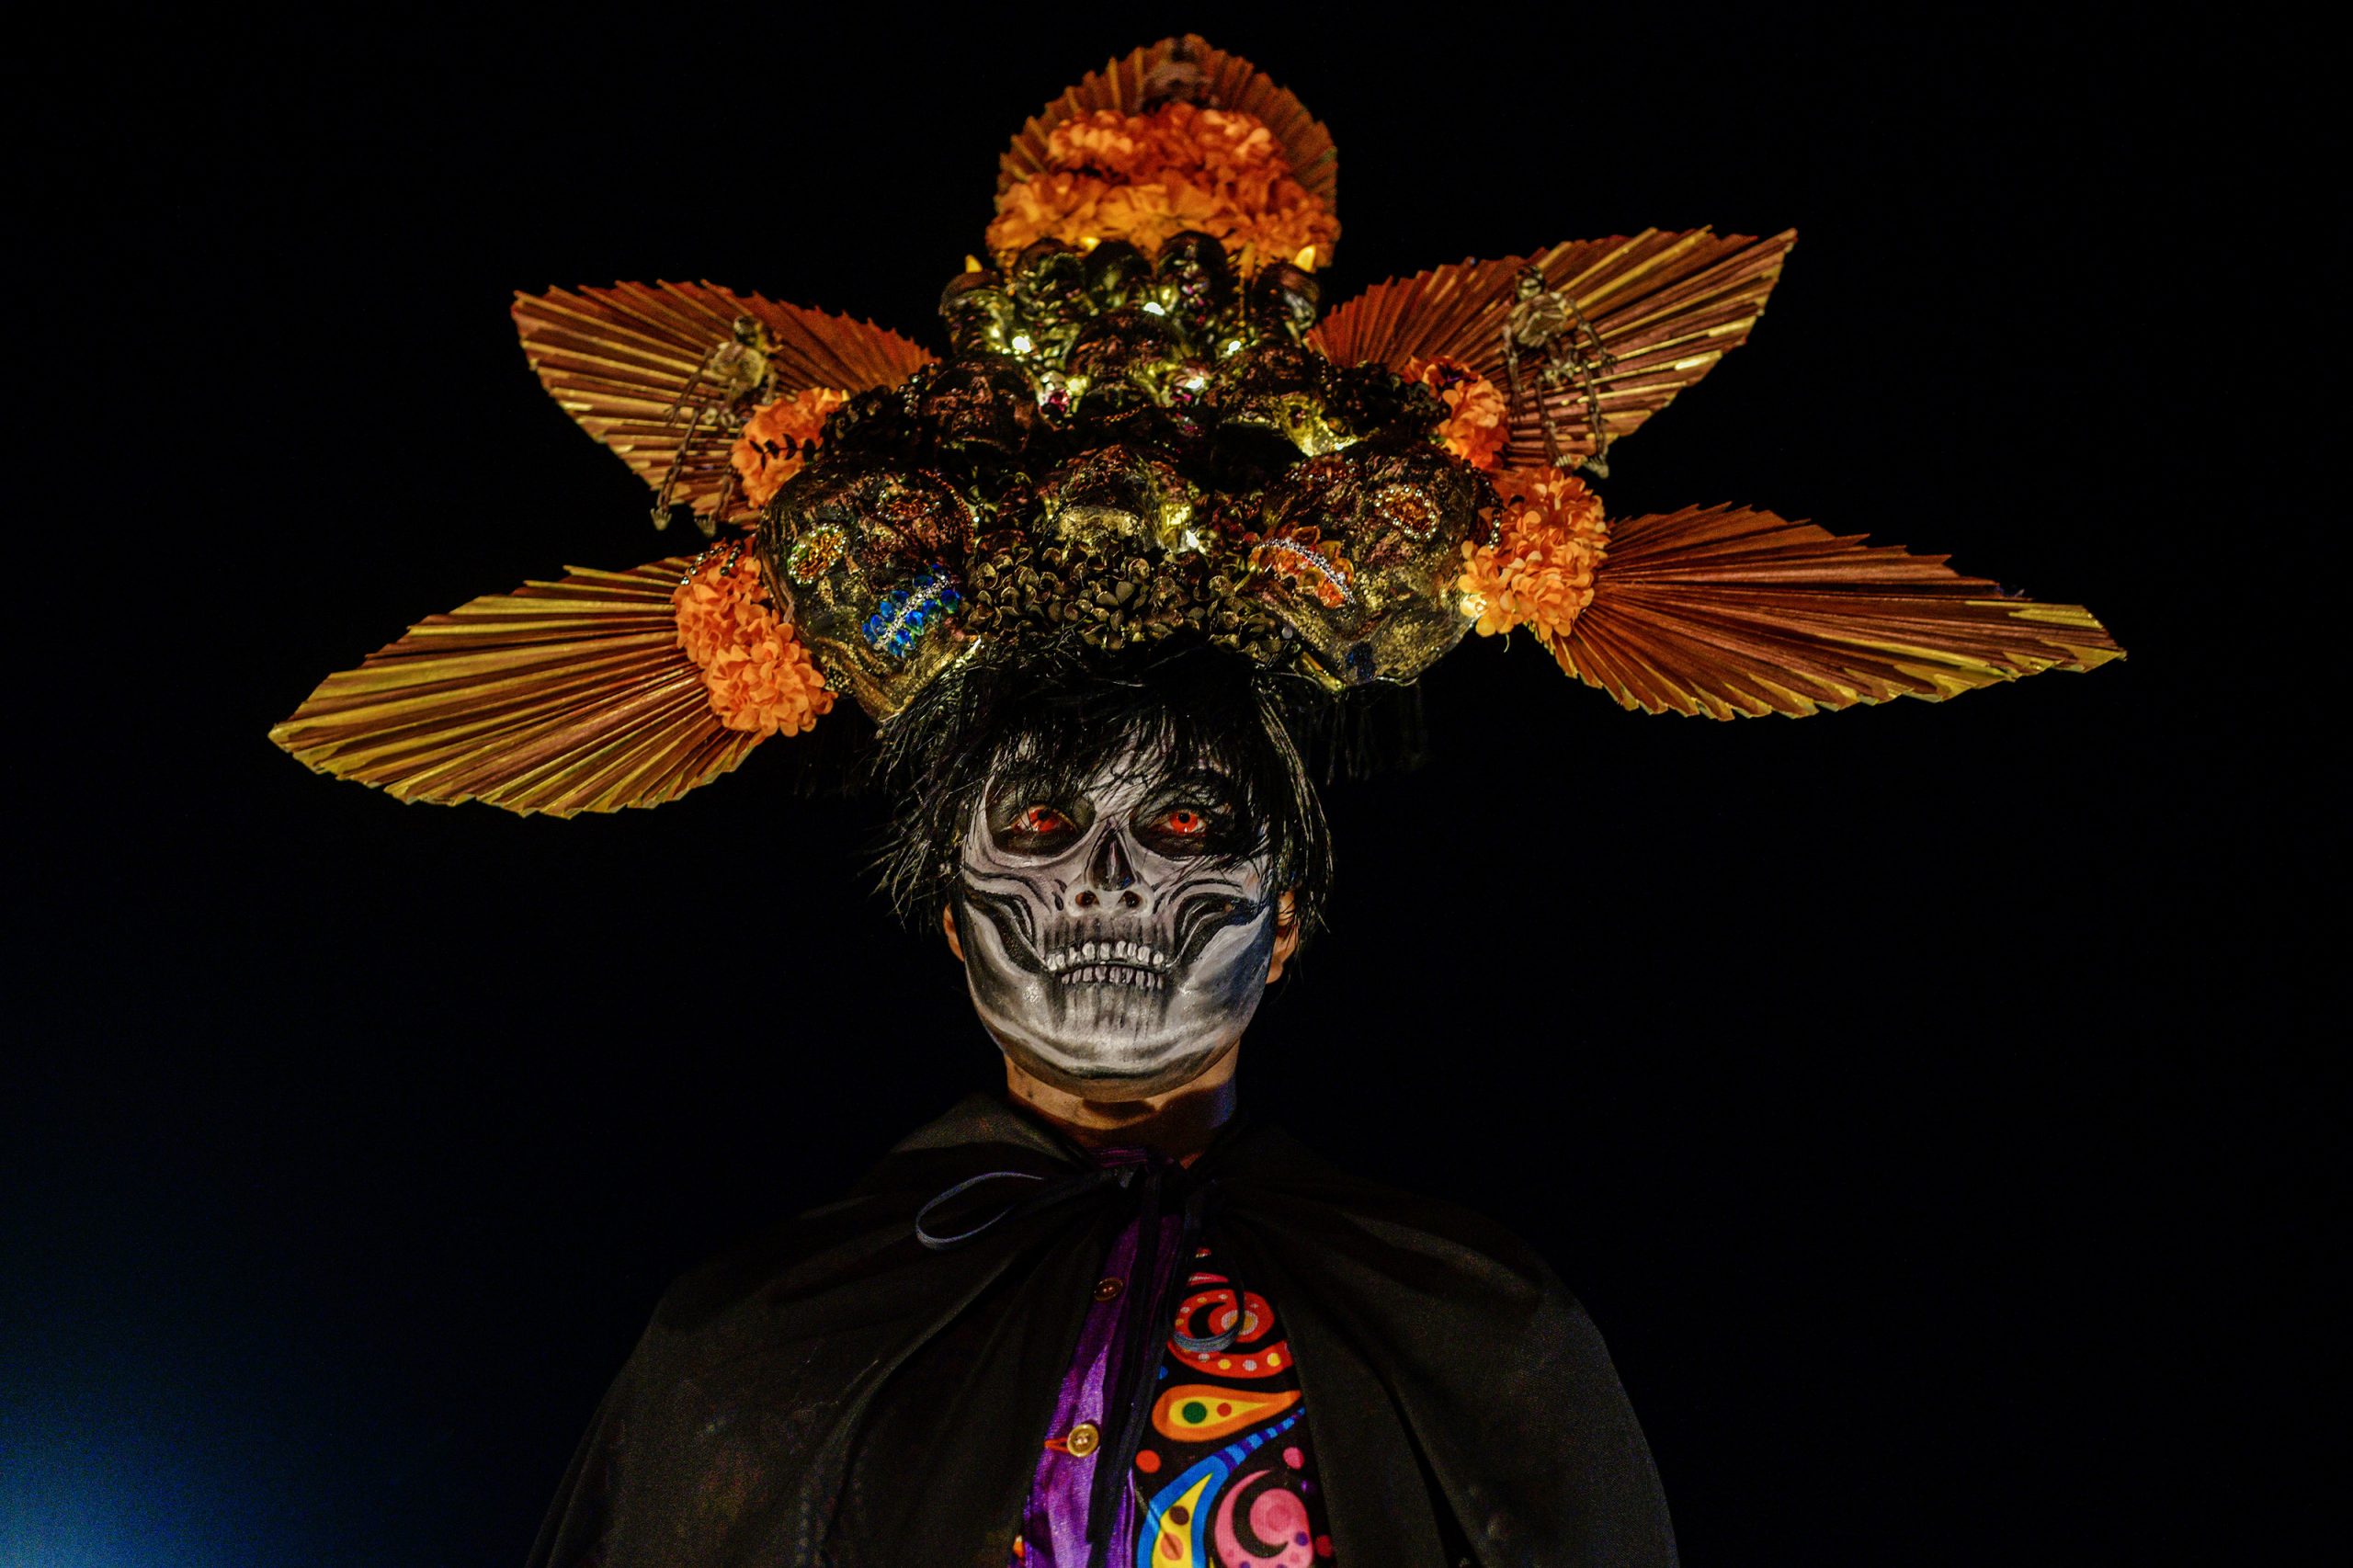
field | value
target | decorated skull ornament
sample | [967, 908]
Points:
[862, 558]
[1121, 447]
[1360, 553]
[1122, 498]
[980, 405]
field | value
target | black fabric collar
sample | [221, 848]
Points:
[998, 1118]
[839, 1395]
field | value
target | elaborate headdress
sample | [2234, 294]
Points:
[1145, 429]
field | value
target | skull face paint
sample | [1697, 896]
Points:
[1117, 940]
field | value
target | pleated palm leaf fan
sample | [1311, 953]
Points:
[1663, 306]
[565, 697]
[1726, 612]
[1184, 67]
[620, 360]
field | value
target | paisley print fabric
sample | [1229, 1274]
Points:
[1227, 1474]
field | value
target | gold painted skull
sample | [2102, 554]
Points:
[1121, 499]
[1359, 551]
[864, 559]
[1279, 387]
[977, 309]
[978, 404]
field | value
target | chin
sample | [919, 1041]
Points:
[1088, 1071]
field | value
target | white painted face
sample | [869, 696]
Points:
[1114, 945]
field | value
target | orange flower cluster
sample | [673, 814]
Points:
[759, 676]
[1539, 572]
[776, 439]
[1143, 177]
[1478, 419]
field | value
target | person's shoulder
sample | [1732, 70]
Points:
[793, 1257]
[1278, 1175]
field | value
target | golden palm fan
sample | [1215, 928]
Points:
[625, 362]
[1728, 613]
[564, 697]
[1664, 307]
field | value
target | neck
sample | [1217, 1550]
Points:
[1179, 1121]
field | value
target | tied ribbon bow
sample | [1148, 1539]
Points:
[1053, 1194]
[1152, 1182]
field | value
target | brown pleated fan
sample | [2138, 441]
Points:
[559, 697]
[1229, 82]
[1727, 612]
[1666, 305]
[617, 359]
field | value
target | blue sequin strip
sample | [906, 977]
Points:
[905, 615]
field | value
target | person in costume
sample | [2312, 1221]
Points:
[1107, 576]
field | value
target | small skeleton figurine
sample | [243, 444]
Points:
[732, 379]
[1547, 319]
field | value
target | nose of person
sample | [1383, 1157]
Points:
[1110, 876]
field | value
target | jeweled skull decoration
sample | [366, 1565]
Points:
[981, 404]
[862, 558]
[1121, 498]
[1127, 447]
[978, 312]
[1360, 553]
[1116, 939]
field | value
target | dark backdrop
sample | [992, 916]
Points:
[1913, 1095]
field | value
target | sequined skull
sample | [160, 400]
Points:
[1359, 550]
[1121, 498]
[863, 557]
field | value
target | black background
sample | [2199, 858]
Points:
[1917, 1097]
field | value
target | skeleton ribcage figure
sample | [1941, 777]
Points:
[713, 405]
[1545, 325]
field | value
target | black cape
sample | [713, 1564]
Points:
[838, 1395]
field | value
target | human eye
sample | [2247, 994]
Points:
[1183, 822]
[1035, 827]
[1187, 823]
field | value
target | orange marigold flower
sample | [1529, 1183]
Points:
[776, 438]
[1538, 571]
[1143, 177]
[758, 675]
[1478, 419]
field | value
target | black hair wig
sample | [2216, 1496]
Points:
[1058, 713]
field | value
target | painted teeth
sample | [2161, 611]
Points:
[1078, 972]
[1077, 961]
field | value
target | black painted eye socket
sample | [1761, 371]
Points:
[1187, 825]
[1033, 827]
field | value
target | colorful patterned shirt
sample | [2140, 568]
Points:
[1226, 1475]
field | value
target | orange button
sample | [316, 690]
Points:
[1108, 1290]
[1084, 1439]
